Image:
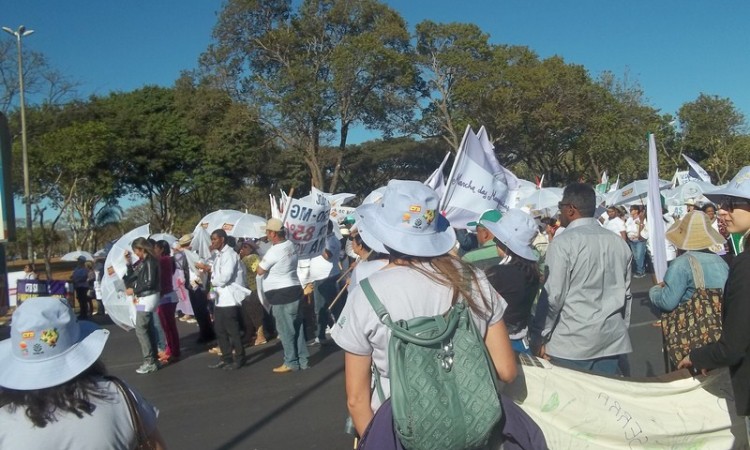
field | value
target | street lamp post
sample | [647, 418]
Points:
[23, 32]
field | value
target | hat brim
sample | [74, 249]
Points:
[725, 192]
[524, 251]
[15, 373]
[701, 241]
[403, 241]
[366, 236]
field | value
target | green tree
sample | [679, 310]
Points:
[326, 67]
[710, 127]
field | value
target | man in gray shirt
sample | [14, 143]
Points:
[584, 313]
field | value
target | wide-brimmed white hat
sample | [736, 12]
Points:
[694, 232]
[738, 187]
[408, 221]
[517, 230]
[366, 236]
[48, 346]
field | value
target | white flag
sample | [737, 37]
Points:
[275, 212]
[616, 185]
[436, 180]
[473, 186]
[696, 171]
[655, 219]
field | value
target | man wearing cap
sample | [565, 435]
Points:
[585, 305]
[283, 291]
[486, 255]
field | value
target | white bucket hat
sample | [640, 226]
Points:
[366, 236]
[517, 230]
[48, 346]
[408, 221]
[738, 187]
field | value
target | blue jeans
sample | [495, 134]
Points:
[639, 256]
[605, 366]
[324, 292]
[289, 323]
[146, 334]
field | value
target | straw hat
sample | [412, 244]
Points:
[48, 346]
[694, 232]
[408, 221]
[185, 240]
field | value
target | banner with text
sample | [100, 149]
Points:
[307, 225]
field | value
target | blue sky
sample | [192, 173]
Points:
[675, 50]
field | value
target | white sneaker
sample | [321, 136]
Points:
[147, 368]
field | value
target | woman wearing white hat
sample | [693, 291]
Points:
[516, 278]
[54, 391]
[733, 348]
[420, 280]
[693, 236]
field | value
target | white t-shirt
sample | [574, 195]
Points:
[406, 294]
[109, 426]
[615, 225]
[363, 270]
[280, 263]
[321, 268]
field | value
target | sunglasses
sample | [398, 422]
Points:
[560, 205]
[498, 243]
[730, 203]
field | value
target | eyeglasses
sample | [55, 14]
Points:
[498, 243]
[730, 203]
[561, 204]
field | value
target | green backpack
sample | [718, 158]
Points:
[443, 382]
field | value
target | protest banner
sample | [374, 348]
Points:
[307, 224]
[473, 187]
[578, 410]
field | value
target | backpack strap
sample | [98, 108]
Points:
[697, 272]
[380, 310]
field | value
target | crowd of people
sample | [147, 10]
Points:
[556, 288]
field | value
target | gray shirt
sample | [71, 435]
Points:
[588, 289]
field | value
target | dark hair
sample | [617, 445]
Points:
[372, 255]
[582, 196]
[635, 208]
[708, 205]
[448, 270]
[219, 232]
[164, 247]
[231, 241]
[43, 405]
[529, 268]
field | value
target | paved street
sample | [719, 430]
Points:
[253, 408]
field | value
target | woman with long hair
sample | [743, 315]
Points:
[54, 392]
[143, 283]
[421, 279]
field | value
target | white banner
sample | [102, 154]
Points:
[307, 225]
[472, 187]
[654, 213]
[578, 410]
[436, 180]
[696, 171]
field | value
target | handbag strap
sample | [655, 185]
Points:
[697, 272]
[142, 439]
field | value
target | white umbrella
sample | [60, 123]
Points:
[73, 256]
[119, 307]
[201, 243]
[633, 193]
[235, 223]
[164, 237]
[691, 190]
[545, 199]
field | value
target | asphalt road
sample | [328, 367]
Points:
[253, 408]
